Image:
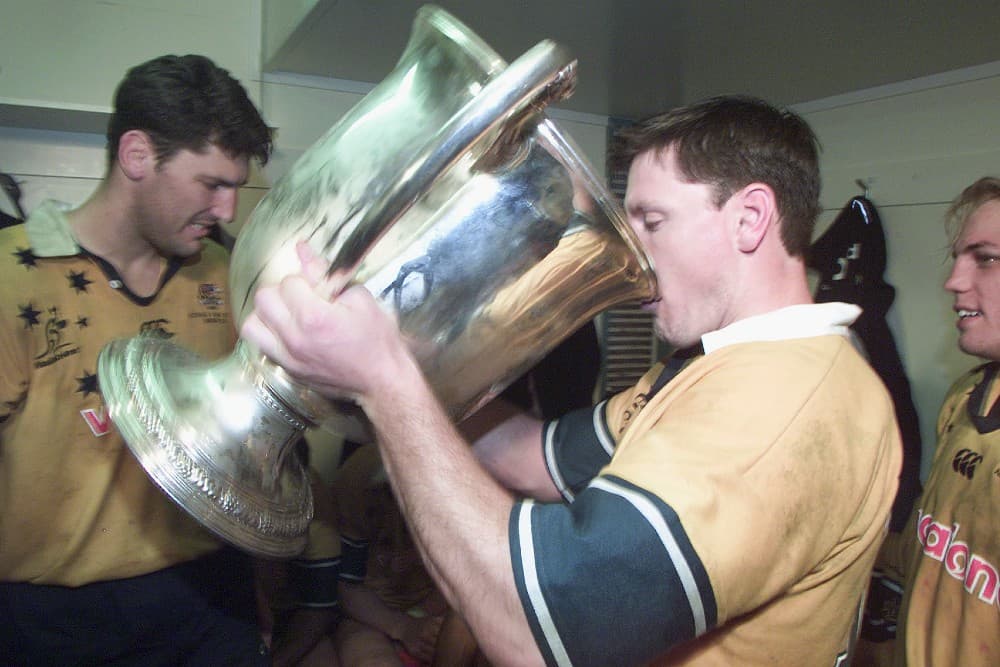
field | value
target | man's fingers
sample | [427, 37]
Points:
[301, 306]
[271, 303]
[314, 267]
[256, 332]
[317, 272]
[271, 324]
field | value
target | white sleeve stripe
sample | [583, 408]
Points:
[533, 588]
[656, 521]
[357, 544]
[552, 465]
[883, 580]
[317, 564]
[601, 430]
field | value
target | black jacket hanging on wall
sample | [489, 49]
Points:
[850, 257]
[13, 192]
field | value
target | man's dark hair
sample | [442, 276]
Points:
[187, 102]
[731, 141]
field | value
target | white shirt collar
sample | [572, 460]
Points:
[801, 321]
[49, 231]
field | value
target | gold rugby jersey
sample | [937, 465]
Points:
[950, 549]
[75, 505]
[740, 503]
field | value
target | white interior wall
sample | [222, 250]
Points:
[71, 53]
[917, 146]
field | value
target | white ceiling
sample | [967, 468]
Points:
[637, 57]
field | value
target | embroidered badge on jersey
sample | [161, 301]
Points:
[674, 365]
[157, 327]
[212, 297]
[965, 462]
[54, 343]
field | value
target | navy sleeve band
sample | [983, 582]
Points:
[314, 582]
[353, 560]
[576, 447]
[609, 579]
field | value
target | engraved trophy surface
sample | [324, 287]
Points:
[463, 209]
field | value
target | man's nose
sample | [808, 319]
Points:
[224, 204]
[958, 278]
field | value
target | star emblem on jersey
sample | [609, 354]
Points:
[29, 315]
[78, 281]
[87, 384]
[26, 258]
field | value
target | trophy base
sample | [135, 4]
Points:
[214, 439]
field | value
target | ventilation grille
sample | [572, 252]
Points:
[630, 345]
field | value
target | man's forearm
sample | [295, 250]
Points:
[512, 453]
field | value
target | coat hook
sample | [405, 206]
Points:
[866, 185]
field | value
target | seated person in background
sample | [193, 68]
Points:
[297, 598]
[393, 614]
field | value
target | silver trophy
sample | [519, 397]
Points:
[446, 192]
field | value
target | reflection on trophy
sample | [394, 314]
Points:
[461, 208]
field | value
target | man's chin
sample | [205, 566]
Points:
[187, 250]
[675, 340]
[989, 350]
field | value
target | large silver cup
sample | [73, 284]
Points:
[460, 206]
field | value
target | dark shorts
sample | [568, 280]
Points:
[197, 613]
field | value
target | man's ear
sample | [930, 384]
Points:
[758, 211]
[136, 154]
